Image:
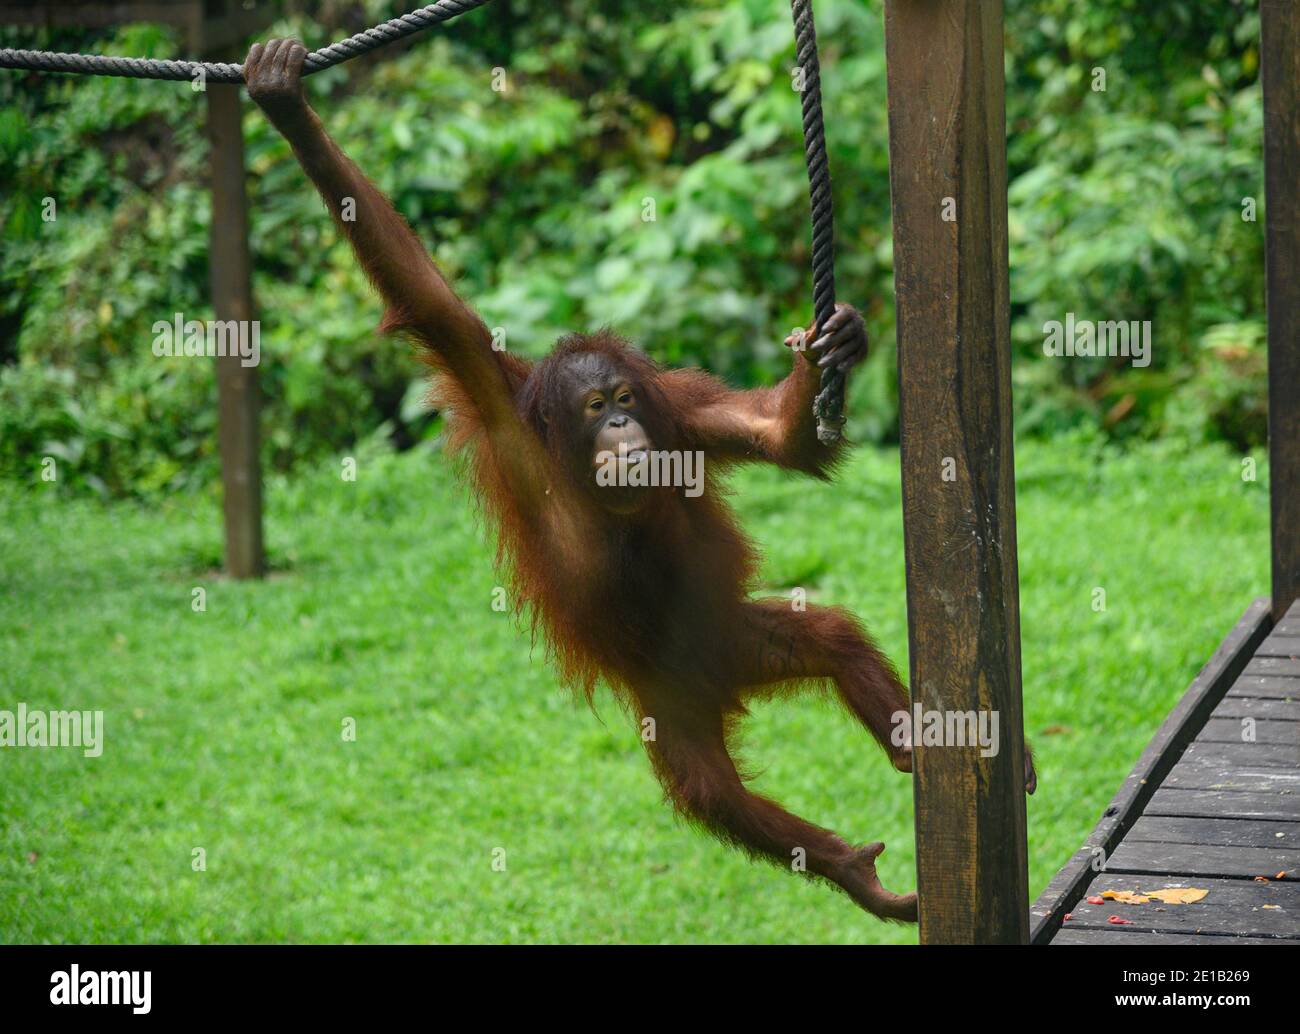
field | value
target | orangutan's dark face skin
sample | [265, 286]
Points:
[606, 405]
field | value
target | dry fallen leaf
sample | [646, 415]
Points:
[1169, 895]
[1177, 895]
[1128, 897]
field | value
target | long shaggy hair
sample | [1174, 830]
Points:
[588, 638]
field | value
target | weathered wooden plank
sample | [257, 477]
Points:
[1285, 666]
[1280, 75]
[1279, 646]
[1236, 862]
[1189, 776]
[1234, 893]
[1224, 804]
[1246, 755]
[1143, 781]
[947, 144]
[1241, 730]
[1261, 710]
[1218, 831]
[1266, 687]
[1127, 935]
[1290, 623]
[1240, 908]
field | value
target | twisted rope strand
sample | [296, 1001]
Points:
[829, 404]
[220, 72]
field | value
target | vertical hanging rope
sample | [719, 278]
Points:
[829, 405]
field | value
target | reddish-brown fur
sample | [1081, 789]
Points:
[657, 603]
[659, 606]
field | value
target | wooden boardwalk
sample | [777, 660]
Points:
[1213, 803]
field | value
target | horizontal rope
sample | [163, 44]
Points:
[220, 72]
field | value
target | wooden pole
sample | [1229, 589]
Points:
[1280, 67]
[947, 147]
[238, 403]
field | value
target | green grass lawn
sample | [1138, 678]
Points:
[223, 728]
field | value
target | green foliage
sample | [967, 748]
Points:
[1125, 204]
[223, 729]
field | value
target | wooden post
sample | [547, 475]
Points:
[232, 299]
[1280, 66]
[947, 160]
[217, 28]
